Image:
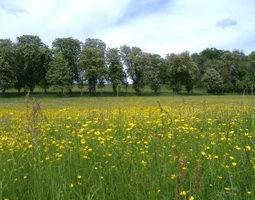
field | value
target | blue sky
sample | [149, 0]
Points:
[156, 26]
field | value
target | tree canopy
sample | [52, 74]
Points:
[28, 63]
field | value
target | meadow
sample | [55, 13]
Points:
[177, 147]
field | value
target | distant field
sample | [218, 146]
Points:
[107, 91]
[177, 147]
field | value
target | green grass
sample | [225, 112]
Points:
[174, 147]
[108, 92]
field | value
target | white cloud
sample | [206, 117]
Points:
[162, 26]
[226, 22]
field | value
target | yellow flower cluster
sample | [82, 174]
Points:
[72, 144]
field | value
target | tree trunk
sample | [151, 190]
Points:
[45, 90]
[101, 92]
[62, 90]
[168, 91]
[3, 92]
[89, 88]
[31, 91]
[81, 92]
[42, 92]
[19, 90]
[70, 91]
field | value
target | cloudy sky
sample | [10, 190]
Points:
[156, 26]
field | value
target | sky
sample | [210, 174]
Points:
[156, 26]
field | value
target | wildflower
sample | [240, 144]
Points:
[82, 141]
[24, 177]
[158, 191]
[191, 198]
[71, 185]
[249, 193]
[227, 189]
[182, 193]
[102, 177]
[173, 176]
[143, 162]
[234, 164]
[79, 177]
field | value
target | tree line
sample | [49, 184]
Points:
[29, 62]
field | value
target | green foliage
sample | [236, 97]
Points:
[7, 76]
[28, 48]
[92, 62]
[115, 68]
[137, 66]
[46, 58]
[231, 66]
[212, 80]
[240, 86]
[7, 65]
[228, 87]
[181, 70]
[153, 73]
[71, 50]
[59, 74]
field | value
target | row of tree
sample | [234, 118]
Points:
[29, 62]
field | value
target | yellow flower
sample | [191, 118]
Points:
[71, 185]
[102, 177]
[249, 193]
[227, 189]
[79, 177]
[234, 164]
[191, 198]
[24, 177]
[83, 141]
[173, 176]
[158, 190]
[182, 193]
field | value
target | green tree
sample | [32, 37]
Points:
[153, 73]
[181, 70]
[212, 80]
[251, 64]
[7, 76]
[46, 58]
[7, 65]
[240, 86]
[115, 68]
[71, 50]
[233, 66]
[228, 87]
[92, 62]
[137, 65]
[28, 48]
[60, 75]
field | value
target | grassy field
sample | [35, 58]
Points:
[174, 147]
[108, 92]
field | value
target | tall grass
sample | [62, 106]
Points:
[128, 148]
